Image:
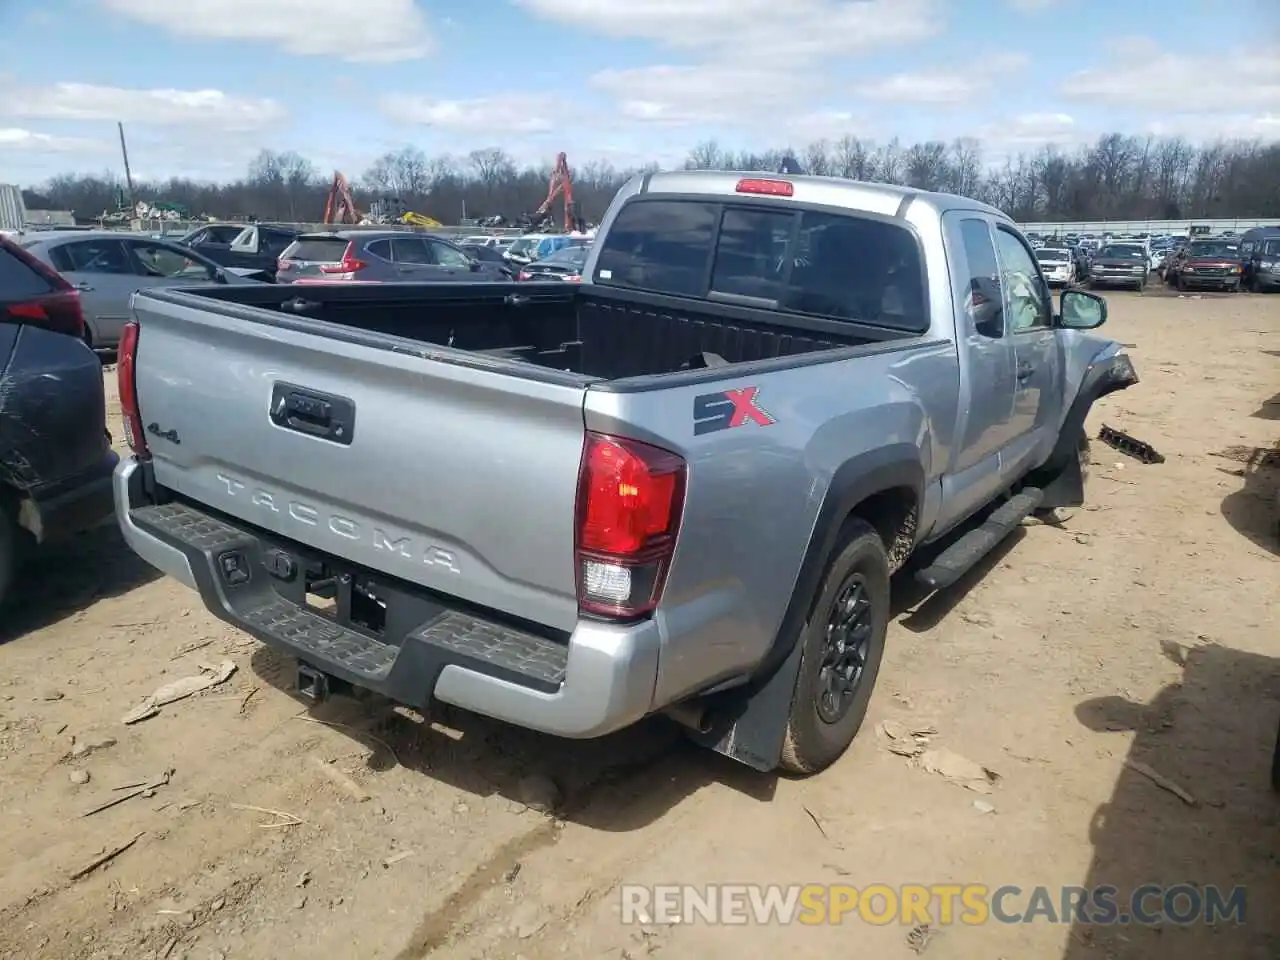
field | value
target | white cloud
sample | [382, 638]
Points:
[506, 114]
[751, 59]
[16, 138]
[372, 31]
[944, 87]
[1031, 130]
[1144, 77]
[82, 101]
[757, 32]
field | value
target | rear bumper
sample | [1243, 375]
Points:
[71, 506]
[601, 679]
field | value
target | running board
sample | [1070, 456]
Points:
[961, 557]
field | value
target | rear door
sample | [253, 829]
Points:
[1038, 366]
[974, 475]
[452, 262]
[102, 270]
[414, 260]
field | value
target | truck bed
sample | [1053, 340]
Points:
[597, 334]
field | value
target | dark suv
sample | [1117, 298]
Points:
[55, 453]
[380, 256]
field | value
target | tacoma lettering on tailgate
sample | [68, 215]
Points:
[392, 542]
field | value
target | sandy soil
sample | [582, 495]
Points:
[1143, 630]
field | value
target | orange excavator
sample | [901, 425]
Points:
[561, 186]
[338, 205]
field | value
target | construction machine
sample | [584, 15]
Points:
[339, 207]
[561, 185]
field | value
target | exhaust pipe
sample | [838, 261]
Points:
[690, 714]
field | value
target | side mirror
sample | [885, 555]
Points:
[476, 265]
[220, 276]
[1081, 310]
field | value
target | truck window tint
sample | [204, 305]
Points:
[659, 245]
[857, 268]
[985, 300]
[1027, 303]
[752, 253]
[843, 266]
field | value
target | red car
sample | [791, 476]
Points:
[1206, 265]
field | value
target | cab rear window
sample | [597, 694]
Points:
[850, 267]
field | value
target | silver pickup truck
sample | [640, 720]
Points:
[681, 487]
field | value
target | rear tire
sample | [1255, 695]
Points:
[843, 644]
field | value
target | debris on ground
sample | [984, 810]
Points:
[906, 739]
[918, 938]
[1163, 782]
[341, 780]
[146, 789]
[957, 769]
[983, 807]
[180, 689]
[395, 858]
[105, 857]
[1130, 446]
[82, 748]
[78, 777]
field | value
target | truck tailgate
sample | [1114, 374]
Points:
[461, 480]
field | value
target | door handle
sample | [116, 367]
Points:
[1025, 370]
[82, 286]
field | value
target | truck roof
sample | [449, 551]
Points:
[836, 191]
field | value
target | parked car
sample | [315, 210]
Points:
[565, 264]
[1206, 265]
[253, 247]
[374, 256]
[534, 246]
[106, 268]
[1058, 265]
[681, 487]
[489, 254]
[1260, 257]
[1119, 265]
[55, 453]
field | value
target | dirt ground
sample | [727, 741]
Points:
[1144, 630]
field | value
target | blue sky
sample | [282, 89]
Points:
[201, 85]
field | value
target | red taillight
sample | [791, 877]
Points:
[768, 188]
[574, 278]
[126, 364]
[348, 264]
[630, 499]
[524, 275]
[284, 266]
[60, 312]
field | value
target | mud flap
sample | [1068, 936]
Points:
[749, 724]
[1066, 489]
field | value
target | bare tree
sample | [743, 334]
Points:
[1117, 177]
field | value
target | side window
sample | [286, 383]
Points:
[92, 256]
[154, 260]
[752, 253]
[197, 238]
[1026, 298]
[659, 245]
[984, 301]
[380, 249]
[857, 268]
[447, 256]
[1246, 248]
[410, 250]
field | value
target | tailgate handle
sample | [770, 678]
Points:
[324, 415]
